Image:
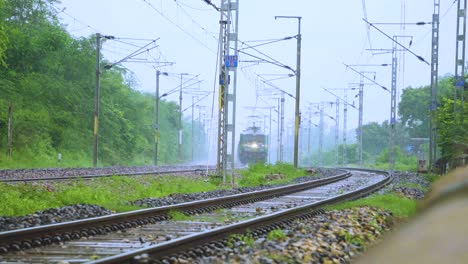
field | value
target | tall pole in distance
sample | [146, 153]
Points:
[282, 128]
[97, 99]
[181, 157]
[321, 136]
[298, 88]
[434, 84]
[361, 106]
[193, 129]
[345, 117]
[337, 131]
[156, 120]
[278, 132]
[269, 139]
[393, 106]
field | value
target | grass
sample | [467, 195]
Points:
[179, 216]
[276, 235]
[114, 193]
[255, 174]
[399, 206]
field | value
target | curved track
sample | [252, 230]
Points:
[160, 237]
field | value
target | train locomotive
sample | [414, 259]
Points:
[253, 146]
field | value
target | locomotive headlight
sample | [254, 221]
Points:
[254, 145]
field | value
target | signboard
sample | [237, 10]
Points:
[222, 79]
[231, 60]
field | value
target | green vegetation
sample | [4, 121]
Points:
[179, 216]
[246, 239]
[399, 206]
[47, 76]
[256, 174]
[112, 193]
[276, 235]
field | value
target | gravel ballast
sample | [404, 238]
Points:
[332, 237]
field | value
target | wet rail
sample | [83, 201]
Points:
[259, 211]
[35, 175]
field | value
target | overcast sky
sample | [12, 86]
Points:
[333, 33]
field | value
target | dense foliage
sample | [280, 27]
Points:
[48, 78]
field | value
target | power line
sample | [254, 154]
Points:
[364, 9]
[267, 43]
[194, 21]
[417, 56]
[74, 18]
[191, 7]
[179, 27]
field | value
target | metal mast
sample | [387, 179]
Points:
[361, 106]
[337, 131]
[282, 128]
[460, 60]
[434, 84]
[321, 136]
[97, 99]
[345, 117]
[228, 36]
[393, 105]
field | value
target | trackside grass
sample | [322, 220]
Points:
[256, 174]
[399, 206]
[114, 193]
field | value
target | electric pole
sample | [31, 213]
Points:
[460, 63]
[434, 85]
[298, 88]
[228, 36]
[156, 119]
[337, 131]
[361, 111]
[393, 106]
[345, 117]
[321, 136]
[97, 99]
[282, 128]
[345, 120]
[181, 156]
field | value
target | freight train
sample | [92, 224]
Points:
[253, 146]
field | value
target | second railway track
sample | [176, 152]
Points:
[156, 236]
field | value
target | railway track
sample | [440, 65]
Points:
[152, 234]
[35, 175]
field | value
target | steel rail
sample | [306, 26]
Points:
[263, 224]
[93, 176]
[37, 236]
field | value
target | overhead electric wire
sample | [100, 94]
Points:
[267, 61]
[417, 56]
[267, 43]
[74, 18]
[374, 82]
[269, 57]
[191, 7]
[178, 26]
[364, 9]
[194, 21]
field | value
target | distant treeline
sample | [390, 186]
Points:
[47, 77]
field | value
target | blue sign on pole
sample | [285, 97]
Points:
[231, 60]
